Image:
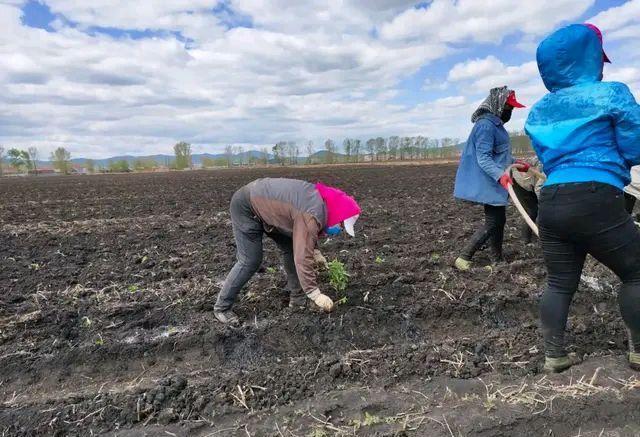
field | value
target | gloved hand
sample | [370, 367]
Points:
[522, 166]
[322, 300]
[319, 259]
[505, 180]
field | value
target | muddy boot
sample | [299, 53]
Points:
[462, 264]
[634, 360]
[227, 317]
[496, 257]
[557, 365]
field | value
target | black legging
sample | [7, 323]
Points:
[529, 202]
[495, 218]
[576, 220]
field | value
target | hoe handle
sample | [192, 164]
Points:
[517, 203]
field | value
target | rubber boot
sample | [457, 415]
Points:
[462, 264]
[557, 365]
[496, 257]
[634, 360]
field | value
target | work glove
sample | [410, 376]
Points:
[505, 180]
[522, 166]
[322, 300]
[319, 258]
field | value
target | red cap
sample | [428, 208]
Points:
[511, 100]
[593, 27]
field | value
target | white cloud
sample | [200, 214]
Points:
[463, 20]
[484, 74]
[305, 70]
[475, 68]
[616, 18]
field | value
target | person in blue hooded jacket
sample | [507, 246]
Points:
[481, 174]
[586, 133]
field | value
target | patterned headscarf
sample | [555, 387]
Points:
[493, 104]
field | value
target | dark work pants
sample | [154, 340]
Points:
[492, 230]
[576, 220]
[248, 232]
[629, 202]
[529, 202]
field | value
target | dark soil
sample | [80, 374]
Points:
[106, 323]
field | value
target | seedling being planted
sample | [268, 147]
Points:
[338, 276]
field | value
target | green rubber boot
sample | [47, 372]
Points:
[634, 360]
[557, 365]
[462, 264]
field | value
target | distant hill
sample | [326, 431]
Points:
[163, 159]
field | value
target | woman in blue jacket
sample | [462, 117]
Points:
[587, 135]
[485, 157]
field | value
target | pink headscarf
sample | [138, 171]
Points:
[340, 206]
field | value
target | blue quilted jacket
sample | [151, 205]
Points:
[486, 155]
[584, 129]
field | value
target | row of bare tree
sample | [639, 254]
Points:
[378, 149]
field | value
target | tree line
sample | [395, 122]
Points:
[26, 161]
[351, 150]
[374, 149]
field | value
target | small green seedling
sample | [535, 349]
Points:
[370, 419]
[379, 260]
[342, 301]
[271, 270]
[132, 288]
[86, 322]
[317, 432]
[99, 340]
[338, 276]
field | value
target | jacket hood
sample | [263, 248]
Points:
[570, 56]
[340, 206]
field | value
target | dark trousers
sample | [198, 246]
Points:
[248, 232]
[495, 217]
[576, 220]
[629, 202]
[529, 202]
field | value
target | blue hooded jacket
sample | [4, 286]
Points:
[584, 130]
[486, 155]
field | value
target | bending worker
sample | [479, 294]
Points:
[586, 133]
[481, 174]
[294, 214]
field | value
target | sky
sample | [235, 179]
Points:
[114, 77]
